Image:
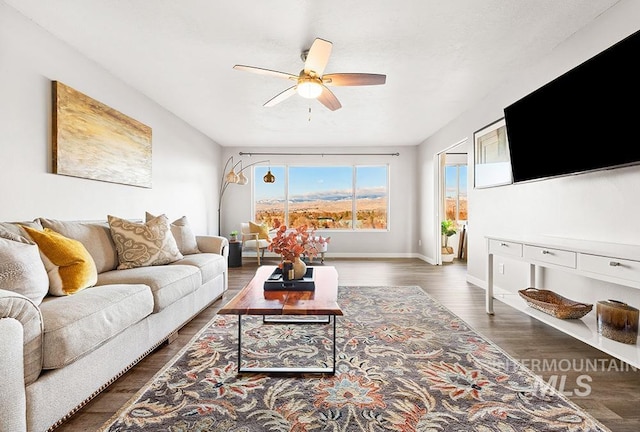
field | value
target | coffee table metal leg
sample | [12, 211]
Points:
[286, 370]
[239, 341]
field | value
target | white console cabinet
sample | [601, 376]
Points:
[609, 262]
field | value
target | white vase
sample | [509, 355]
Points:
[299, 268]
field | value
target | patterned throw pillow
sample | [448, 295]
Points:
[22, 270]
[143, 244]
[262, 230]
[181, 230]
[69, 265]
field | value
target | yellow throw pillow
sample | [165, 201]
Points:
[262, 230]
[69, 265]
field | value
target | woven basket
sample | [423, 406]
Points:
[554, 304]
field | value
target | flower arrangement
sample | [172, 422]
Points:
[291, 243]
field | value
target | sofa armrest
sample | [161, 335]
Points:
[14, 306]
[13, 398]
[213, 244]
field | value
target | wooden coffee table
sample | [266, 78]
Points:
[283, 307]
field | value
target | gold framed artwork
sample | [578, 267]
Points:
[94, 141]
[492, 164]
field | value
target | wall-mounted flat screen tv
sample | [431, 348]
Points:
[585, 120]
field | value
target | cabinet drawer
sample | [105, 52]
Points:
[501, 247]
[551, 256]
[618, 268]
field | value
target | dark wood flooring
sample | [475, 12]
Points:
[605, 387]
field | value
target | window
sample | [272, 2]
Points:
[270, 202]
[323, 197]
[455, 191]
[371, 197]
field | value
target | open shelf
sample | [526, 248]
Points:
[583, 329]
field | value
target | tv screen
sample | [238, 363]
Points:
[587, 119]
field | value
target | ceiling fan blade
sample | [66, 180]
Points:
[280, 97]
[353, 79]
[328, 99]
[318, 56]
[268, 72]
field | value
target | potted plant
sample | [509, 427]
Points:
[447, 229]
[294, 242]
[233, 236]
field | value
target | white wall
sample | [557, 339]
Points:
[600, 206]
[186, 164]
[398, 241]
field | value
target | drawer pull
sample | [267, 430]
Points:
[614, 263]
[545, 252]
[504, 244]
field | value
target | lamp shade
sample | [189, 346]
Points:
[232, 177]
[268, 177]
[242, 179]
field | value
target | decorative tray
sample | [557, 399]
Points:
[276, 283]
[554, 304]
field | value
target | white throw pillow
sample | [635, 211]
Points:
[143, 244]
[22, 270]
[181, 230]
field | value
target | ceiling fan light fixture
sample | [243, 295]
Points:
[311, 83]
[309, 88]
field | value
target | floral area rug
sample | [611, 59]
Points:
[404, 363]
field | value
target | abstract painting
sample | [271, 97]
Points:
[94, 141]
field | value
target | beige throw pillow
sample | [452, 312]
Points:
[22, 271]
[181, 230]
[143, 244]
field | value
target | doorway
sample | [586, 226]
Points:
[452, 204]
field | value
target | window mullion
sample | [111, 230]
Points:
[354, 210]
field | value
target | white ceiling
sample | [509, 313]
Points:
[440, 57]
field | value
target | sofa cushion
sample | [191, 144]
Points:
[69, 265]
[94, 235]
[22, 270]
[76, 325]
[211, 265]
[168, 283]
[16, 228]
[9, 235]
[143, 244]
[182, 233]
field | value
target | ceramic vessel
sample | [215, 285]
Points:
[617, 321]
[299, 268]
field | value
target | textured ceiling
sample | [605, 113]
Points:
[440, 57]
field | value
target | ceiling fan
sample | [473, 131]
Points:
[311, 83]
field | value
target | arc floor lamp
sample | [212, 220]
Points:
[233, 177]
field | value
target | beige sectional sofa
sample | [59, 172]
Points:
[58, 353]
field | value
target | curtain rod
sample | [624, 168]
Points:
[317, 154]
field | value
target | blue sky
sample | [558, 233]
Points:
[318, 182]
[450, 179]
